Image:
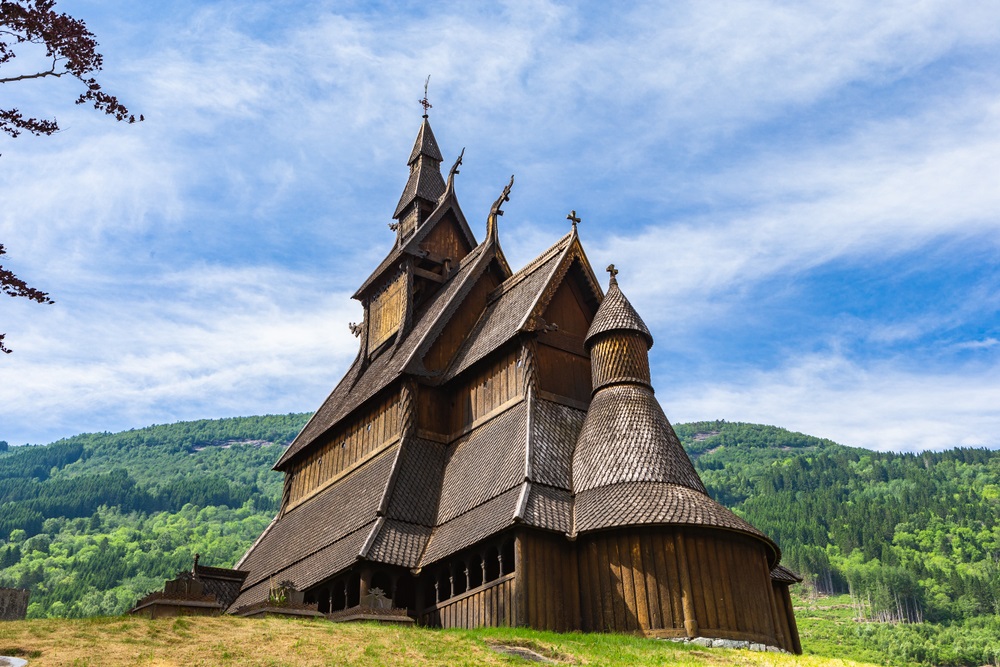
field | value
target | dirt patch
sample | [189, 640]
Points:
[529, 650]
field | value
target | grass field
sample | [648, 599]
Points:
[279, 641]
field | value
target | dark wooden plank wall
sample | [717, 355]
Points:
[445, 240]
[786, 615]
[568, 311]
[632, 580]
[461, 323]
[495, 385]
[562, 373]
[434, 412]
[549, 582]
[367, 434]
[490, 605]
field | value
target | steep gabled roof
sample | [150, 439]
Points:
[299, 545]
[515, 303]
[411, 246]
[363, 382]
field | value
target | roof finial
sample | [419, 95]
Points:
[572, 218]
[454, 168]
[614, 272]
[491, 222]
[424, 103]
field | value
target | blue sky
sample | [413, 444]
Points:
[803, 200]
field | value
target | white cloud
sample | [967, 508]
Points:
[213, 343]
[877, 406]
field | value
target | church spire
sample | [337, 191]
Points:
[425, 184]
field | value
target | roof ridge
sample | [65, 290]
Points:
[562, 254]
[528, 269]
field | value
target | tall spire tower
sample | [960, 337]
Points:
[426, 185]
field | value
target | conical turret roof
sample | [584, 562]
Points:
[616, 314]
[629, 468]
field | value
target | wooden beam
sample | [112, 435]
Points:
[427, 274]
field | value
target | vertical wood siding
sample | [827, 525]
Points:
[445, 240]
[490, 605]
[485, 391]
[370, 431]
[563, 373]
[460, 324]
[549, 582]
[620, 356]
[385, 312]
[631, 581]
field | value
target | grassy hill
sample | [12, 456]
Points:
[236, 641]
[91, 523]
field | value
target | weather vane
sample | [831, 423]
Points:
[424, 103]
[572, 218]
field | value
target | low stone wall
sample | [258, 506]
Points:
[14, 604]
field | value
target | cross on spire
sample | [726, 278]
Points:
[424, 103]
[572, 218]
[614, 273]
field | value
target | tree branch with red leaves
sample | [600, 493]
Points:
[13, 286]
[70, 50]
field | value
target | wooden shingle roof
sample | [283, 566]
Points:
[364, 380]
[508, 306]
[627, 438]
[311, 527]
[425, 179]
[617, 314]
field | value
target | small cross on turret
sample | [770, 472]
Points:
[614, 272]
[424, 103]
[572, 218]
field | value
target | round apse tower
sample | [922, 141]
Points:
[656, 554]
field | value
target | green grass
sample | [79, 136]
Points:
[115, 641]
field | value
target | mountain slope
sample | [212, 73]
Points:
[92, 522]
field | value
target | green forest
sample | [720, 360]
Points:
[910, 541]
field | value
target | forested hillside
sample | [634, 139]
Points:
[92, 522]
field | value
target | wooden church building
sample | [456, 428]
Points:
[495, 455]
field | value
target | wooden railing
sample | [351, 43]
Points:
[489, 605]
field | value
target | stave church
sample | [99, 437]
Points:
[496, 456]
